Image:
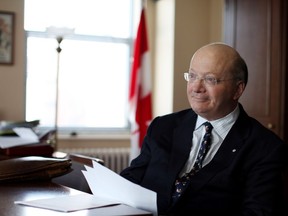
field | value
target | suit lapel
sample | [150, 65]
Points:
[228, 150]
[182, 141]
[181, 145]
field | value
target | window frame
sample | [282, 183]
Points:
[91, 131]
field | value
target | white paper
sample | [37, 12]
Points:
[26, 133]
[110, 185]
[25, 136]
[69, 203]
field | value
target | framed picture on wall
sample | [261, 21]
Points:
[6, 37]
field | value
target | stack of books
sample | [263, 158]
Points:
[21, 139]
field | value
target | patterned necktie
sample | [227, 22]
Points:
[182, 183]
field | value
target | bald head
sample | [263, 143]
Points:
[224, 58]
[219, 49]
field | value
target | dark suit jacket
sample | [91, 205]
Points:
[244, 177]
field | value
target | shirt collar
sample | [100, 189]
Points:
[222, 125]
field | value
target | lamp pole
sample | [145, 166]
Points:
[58, 49]
[59, 34]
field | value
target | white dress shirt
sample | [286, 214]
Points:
[221, 127]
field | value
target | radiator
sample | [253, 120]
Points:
[115, 159]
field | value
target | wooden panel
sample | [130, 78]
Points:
[253, 32]
[254, 29]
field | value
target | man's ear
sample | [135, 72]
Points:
[240, 89]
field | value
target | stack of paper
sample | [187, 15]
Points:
[103, 181]
[69, 203]
[108, 188]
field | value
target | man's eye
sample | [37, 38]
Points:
[210, 79]
[192, 76]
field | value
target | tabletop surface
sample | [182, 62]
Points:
[24, 191]
[72, 183]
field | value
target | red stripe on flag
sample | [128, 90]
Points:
[140, 87]
[140, 47]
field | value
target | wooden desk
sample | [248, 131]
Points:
[47, 189]
[70, 184]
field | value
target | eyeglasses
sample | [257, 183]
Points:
[208, 79]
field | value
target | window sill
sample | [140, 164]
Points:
[94, 136]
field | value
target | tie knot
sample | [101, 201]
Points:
[208, 127]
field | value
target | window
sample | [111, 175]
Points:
[87, 81]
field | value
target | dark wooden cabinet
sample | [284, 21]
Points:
[258, 30]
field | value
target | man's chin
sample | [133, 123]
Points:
[200, 107]
[200, 110]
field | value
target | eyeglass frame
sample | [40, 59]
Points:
[212, 82]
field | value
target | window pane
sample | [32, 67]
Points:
[93, 65]
[41, 80]
[89, 17]
[93, 83]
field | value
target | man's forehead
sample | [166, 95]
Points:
[214, 54]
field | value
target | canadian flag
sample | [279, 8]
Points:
[140, 89]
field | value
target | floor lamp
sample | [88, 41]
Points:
[59, 34]
[58, 49]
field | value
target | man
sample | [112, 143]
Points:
[241, 172]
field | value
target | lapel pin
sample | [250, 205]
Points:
[233, 150]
